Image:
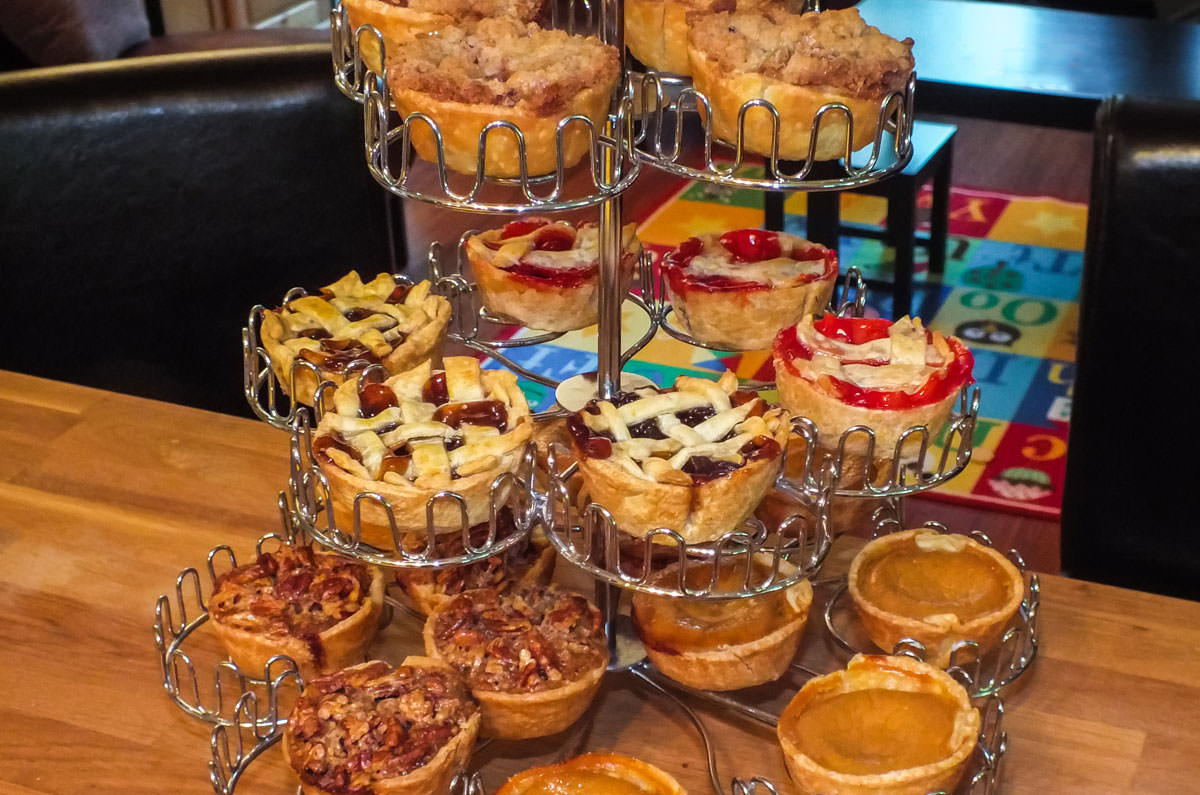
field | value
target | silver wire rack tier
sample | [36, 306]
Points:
[480, 330]
[672, 113]
[314, 512]
[179, 618]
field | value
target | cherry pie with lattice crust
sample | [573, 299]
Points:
[382, 321]
[695, 459]
[532, 656]
[738, 289]
[415, 434]
[841, 372]
[543, 274]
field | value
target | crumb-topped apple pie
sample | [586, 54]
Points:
[382, 321]
[723, 644]
[797, 62]
[936, 588]
[418, 433]
[842, 372]
[738, 289]
[320, 609]
[470, 75]
[532, 656]
[656, 31]
[546, 274]
[373, 728]
[695, 459]
[594, 774]
[885, 725]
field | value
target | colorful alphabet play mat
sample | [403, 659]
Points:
[1010, 291]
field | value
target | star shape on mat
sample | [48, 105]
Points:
[1052, 223]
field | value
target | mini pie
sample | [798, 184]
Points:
[377, 729]
[656, 31]
[726, 644]
[533, 657]
[738, 289]
[546, 275]
[695, 459]
[381, 322]
[468, 76]
[885, 725]
[844, 372]
[528, 562]
[418, 433]
[937, 588]
[320, 609]
[594, 774]
[402, 20]
[797, 62]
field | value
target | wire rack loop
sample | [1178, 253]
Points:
[668, 106]
[511, 497]
[178, 619]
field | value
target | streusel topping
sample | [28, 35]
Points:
[504, 62]
[836, 49]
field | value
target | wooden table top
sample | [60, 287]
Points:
[1038, 65]
[104, 498]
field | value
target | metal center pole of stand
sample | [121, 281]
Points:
[608, 349]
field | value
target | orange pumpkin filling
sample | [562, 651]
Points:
[865, 732]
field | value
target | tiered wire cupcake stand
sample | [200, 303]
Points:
[650, 116]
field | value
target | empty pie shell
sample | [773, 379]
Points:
[764, 649]
[915, 583]
[433, 776]
[342, 644]
[596, 774]
[883, 726]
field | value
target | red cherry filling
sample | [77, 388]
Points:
[435, 390]
[337, 355]
[557, 277]
[479, 412]
[374, 398]
[521, 227]
[752, 245]
[589, 443]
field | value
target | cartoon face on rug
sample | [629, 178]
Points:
[988, 332]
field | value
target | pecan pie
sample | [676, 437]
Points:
[402, 20]
[594, 774]
[381, 322]
[937, 588]
[469, 76]
[543, 274]
[695, 459]
[738, 289]
[723, 644]
[532, 656]
[845, 372]
[797, 62]
[528, 562]
[419, 433]
[320, 609]
[377, 729]
[888, 725]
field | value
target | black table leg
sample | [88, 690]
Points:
[902, 224]
[939, 210]
[773, 210]
[824, 218]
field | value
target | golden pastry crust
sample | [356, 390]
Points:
[845, 372]
[988, 609]
[334, 708]
[417, 447]
[710, 482]
[656, 31]
[466, 77]
[590, 773]
[738, 289]
[528, 562]
[723, 645]
[797, 62]
[320, 609]
[545, 275]
[945, 750]
[381, 321]
[411, 18]
[533, 657]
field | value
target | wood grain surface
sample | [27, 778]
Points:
[105, 498]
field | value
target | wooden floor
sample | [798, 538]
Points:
[1007, 157]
